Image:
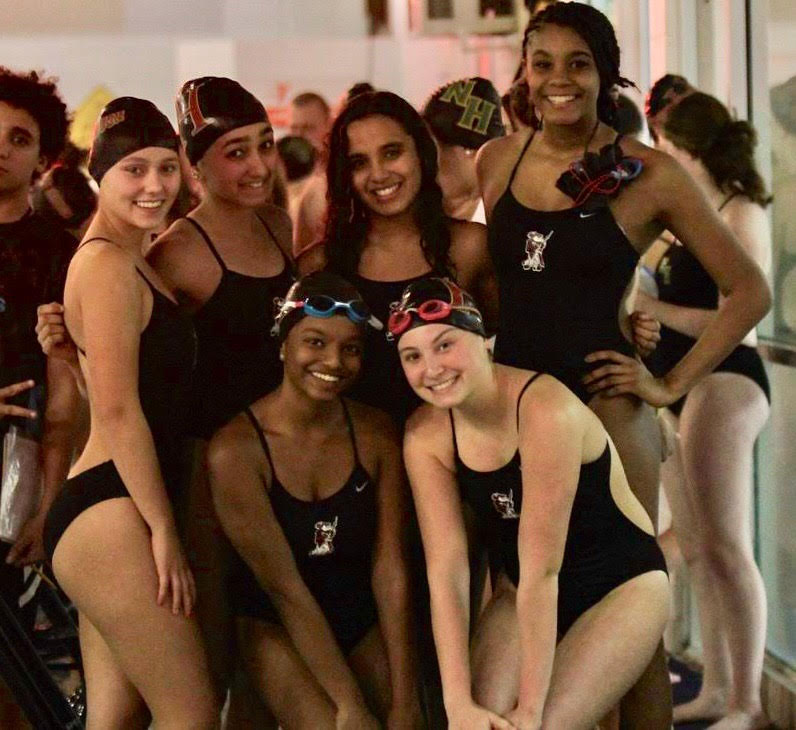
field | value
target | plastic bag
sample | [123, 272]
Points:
[20, 488]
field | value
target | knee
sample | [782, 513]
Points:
[728, 558]
[494, 697]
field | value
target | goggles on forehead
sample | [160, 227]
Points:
[323, 306]
[432, 310]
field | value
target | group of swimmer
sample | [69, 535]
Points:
[265, 430]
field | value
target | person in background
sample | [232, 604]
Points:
[34, 255]
[462, 116]
[628, 120]
[709, 483]
[297, 156]
[64, 197]
[322, 599]
[311, 118]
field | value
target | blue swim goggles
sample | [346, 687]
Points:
[324, 306]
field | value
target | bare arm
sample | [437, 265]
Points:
[64, 421]
[470, 254]
[551, 447]
[311, 215]
[249, 522]
[390, 577]
[108, 294]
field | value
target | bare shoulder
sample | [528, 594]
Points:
[101, 261]
[657, 165]
[466, 237]
[168, 251]
[500, 151]
[232, 447]
[312, 258]
[548, 402]
[426, 430]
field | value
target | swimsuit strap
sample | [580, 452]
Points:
[522, 393]
[519, 159]
[263, 442]
[262, 220]
[209, 243]
[733, 194]
[95, 238]
[453, 431]
[350, 423]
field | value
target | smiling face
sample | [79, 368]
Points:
[323, 356]
[239, 166]
[139, 189]
[562, 76]
[442, 363]
[385, 168]
[20, 154]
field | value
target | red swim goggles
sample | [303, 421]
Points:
[432, 310]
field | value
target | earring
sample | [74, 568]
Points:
[281, 355]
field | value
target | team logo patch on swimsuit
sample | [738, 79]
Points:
[535, 244]
[324, 537]
[504, 505]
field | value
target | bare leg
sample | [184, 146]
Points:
[246, 710]
[719, 425]
[369, 663]
[111, 699]
[595, 664]
[282, 679]
[209, 552]
[104, 563]
[637, 437]
[495, 652]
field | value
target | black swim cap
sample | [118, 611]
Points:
[323, 284]
[466, 112]
[211, 106]
[127, 125]
[434, 300]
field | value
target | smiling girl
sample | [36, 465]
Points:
[110, 532]
[321, 595]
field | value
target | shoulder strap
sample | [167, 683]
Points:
[733, 194]
[203, 234]
[453, 433]
[94, 238]
[288, 263]
[522, 393]
[519, 159]
[263, 442]
[350, 423]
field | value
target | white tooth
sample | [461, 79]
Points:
[326, 378]
[386, 191]
[444, 384]
[149, 203]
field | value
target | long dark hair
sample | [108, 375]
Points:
[348, 217]
[701, 125]
[598, 33]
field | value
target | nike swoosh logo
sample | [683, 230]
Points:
[361, 487]
[587, 215]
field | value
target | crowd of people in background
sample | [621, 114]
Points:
[364, 426]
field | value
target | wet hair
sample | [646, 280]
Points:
[297, 155]
[628, 119]
[702, 126]
[325, 283]
[598, 33]
[347, 220]
[311, 97]
[667, 90]
[38, 96]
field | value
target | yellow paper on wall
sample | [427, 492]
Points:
[81, 130]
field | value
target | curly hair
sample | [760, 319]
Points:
[348, 217]
[38, 96]
[598, 33]
[702, 126]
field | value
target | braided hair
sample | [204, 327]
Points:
[598, 33]
[348, 217]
